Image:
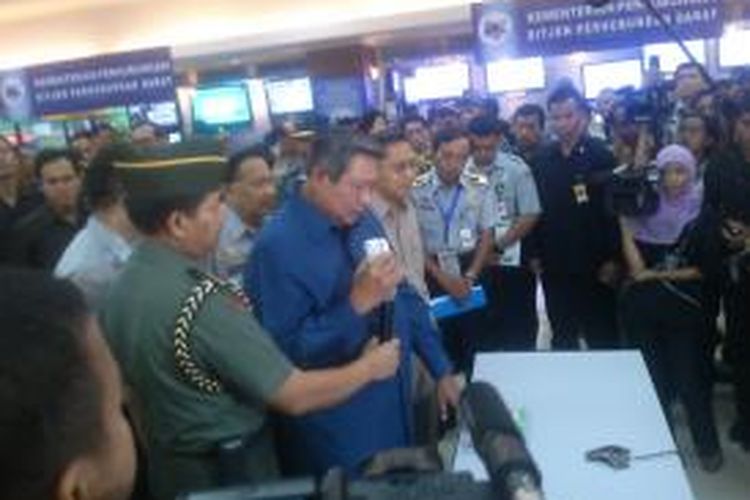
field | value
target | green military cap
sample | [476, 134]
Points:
[190, 168]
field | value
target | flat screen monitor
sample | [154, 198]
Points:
[509, 75]
[48, 134]
[163, 114]
[437, 82]
[671, 55]
[289, 96]
[221, 106]
[613, 75]
[734, 49]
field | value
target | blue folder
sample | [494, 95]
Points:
[446, 306]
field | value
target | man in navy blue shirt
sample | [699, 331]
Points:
[577, 239]
[317, 295]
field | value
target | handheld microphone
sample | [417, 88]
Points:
[499, 443]
[385, 321]
[375, 247]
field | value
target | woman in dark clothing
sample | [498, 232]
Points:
[671, 255]
[15, 202]
[728, 192]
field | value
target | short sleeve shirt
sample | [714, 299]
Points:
[226, 342]
[452, 218]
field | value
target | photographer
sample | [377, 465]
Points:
[689, 82]
[670, 256]
[641, 123]
[728, 192]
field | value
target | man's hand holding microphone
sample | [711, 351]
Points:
[375, 283]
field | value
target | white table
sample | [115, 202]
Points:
[573, 402]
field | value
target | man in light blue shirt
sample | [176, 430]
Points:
[100, 250]
[251, 195]
[456, 211]
[512, 284]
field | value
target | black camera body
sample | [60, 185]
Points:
[633, 192]
[649, 106]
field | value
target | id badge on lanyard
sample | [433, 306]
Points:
[502, 208]
[581, 191]
[448, 258]
[448, 214]
[449, 263]
[511, 255]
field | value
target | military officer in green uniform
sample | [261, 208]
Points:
[202, 370]
[456, 215]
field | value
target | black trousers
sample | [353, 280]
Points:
[580, 306]
[461, 333]
[675, 340]
[460, 338]
[512, 321]
[737, 305]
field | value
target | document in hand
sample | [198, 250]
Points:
[446, 306]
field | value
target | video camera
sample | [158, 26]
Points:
[645, 106]
[633, 192]
[649, 107]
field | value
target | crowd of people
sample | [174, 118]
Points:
[256, 332]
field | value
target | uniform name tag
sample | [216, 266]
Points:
[467, 240]
[449, 264]
[511, 255]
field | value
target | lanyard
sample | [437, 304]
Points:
[447, 214]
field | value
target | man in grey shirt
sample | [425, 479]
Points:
[250, 198]
[392, 206]
[512, 284]
[99, 251]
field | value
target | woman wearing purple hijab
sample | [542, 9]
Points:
[671, 255]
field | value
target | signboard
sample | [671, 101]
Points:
[547, 27]
[82, 85]
[122, 79]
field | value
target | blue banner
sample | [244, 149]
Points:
[122, 79]
[547, 27]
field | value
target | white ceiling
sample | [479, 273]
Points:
[36, 31]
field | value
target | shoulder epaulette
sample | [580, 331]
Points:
[424, 164]
[226, 286]
[423, 179]
[199, 274]
[475, 178]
